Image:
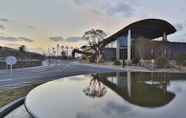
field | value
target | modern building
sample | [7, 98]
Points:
[149, 29]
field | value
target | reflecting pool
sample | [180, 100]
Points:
[111, 95]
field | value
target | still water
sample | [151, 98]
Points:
[111, 95]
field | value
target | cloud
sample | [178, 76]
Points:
[4, 20]
[73, 39]
[14, 39]
[2, 27]
[38, 50]
[179, 26]
[25, 39]
[56, 38]
[3, 38]
[108, 7]
[31, 27]
[14, 45]
[121, 9]
[118, 108]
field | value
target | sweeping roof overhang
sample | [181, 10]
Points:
[148, 28]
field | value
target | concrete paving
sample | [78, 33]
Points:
[26, 76]
[19, 113]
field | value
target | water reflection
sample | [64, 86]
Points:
[95, 88]
[118, 95]
[142, 89]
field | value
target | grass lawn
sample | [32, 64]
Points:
[9, 95]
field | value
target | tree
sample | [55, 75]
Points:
[54, 52]
[162, 62]
[181, 59]
[57, 49]
[94, 37]
[22, 48]
[62, 47]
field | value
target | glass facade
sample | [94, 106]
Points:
[122, 41]
[122, 47]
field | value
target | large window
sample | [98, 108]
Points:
[122, 41]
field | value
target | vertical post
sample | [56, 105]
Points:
[117, 77]
[129, 46]
[164, 36]
[11, 68]
[129, 83]
[118, 50]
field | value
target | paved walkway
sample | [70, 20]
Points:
[18, 113]
[26, 76]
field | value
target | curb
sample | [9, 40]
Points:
[11, 106]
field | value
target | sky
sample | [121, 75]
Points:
[40, 24]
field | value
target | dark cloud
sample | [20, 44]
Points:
[73, 39]
[179, 27]
[122, 9]
[2, 27]
[14, 39]
[12, 44]
[116, 107]
[84, 115]
[4, 20]
[3, 38]
[109, 7]
[25, 39]
[80, 2]
[31, 27]
[56, 38]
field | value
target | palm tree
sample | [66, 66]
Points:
[67, 50]
[53, 51]
[58, 49]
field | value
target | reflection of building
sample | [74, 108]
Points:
[142, 89]
[148, 29]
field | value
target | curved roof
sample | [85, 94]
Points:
[148, 28]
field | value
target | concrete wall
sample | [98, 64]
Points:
[109, 54]
[167, 49]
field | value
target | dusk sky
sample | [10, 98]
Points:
[40, 24]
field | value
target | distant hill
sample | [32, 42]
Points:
[25, 59]
[6, 51]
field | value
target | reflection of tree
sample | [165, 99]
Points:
[95, 88]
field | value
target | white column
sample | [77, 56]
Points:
[118, 50]
[129, 83]
[164, 36]
[117, 77]
[129, 46]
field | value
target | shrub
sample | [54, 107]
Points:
[124, 63]
[135, 61]
[162, 62]
[181, 59]
[117, 62]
